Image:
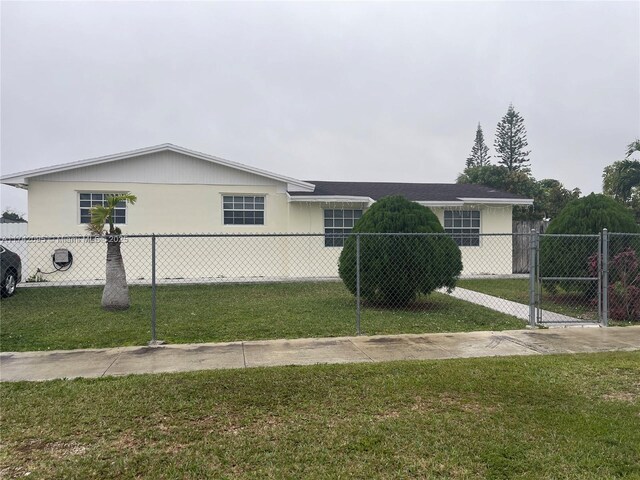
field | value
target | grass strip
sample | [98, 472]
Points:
[562, 416]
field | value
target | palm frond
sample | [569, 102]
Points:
[633, 147]
[101, 215]
[114, 200]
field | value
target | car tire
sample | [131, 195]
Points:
[9, 284]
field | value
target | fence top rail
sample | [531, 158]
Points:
[62, 238]
[618, 234]
[93, 238]
[570, 235]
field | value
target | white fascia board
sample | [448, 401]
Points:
[498, 201]
[434, 203]
[331, 199]
[21, 178]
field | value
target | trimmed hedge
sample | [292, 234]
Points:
[395, 269]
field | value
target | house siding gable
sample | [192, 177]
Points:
[166, 167]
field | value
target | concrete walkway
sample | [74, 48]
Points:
[518, 310]
[93, 363]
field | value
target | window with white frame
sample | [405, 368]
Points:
[338, 224]
[243, 209]
[464, 226]
[91, 199]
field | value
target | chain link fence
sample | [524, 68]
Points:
[569, 280]
[622, 279]
[215, 287]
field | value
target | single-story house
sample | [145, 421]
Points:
[183, 191]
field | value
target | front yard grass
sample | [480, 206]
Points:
[48, 318]
[559, 416]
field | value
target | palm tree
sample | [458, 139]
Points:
[633, 147]
[115, 295]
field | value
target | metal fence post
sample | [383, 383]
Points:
[605, 278]
[600, 261]
[357, 283]
[533, 240]
[154, 341]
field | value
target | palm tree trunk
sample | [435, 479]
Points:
[115, 295]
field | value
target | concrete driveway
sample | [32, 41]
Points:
[91, 363]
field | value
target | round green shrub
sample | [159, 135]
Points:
[395, 269]
[574, 256]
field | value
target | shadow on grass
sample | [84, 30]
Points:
[421, 305]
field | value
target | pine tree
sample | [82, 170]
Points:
[479, 156]
[511, 141]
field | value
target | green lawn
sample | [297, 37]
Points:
[70, 317]
[562, 416]
[517, 290]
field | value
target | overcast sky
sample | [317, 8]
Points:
[333, 91]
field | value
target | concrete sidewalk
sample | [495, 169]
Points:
[91, 363]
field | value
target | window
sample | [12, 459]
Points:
[464, 226]
[338, 225]
[243, 210]
[88, 200]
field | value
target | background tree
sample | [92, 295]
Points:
[620, 179]
[395, 269]
[115, 295]
[479, 156]
[9, 214]
[499, 177]
[549, 195]
[511, 142]
[570, 256]
[552, 197]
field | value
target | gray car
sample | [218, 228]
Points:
[10, 271]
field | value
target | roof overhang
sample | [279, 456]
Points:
[498, 201]
[447, 203]
[330, 199]
[21, 179]
[461, 202]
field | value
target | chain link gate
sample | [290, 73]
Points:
[568, 279]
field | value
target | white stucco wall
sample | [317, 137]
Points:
[54, 207]
[494, 255]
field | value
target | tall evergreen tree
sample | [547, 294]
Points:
[479, 156]
[511, 141]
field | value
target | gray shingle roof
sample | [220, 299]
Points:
[425, 192]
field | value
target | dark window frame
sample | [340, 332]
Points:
[86, 200]
[464, 226]
[243, 209]
[338, 224]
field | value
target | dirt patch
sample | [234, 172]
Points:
[14, 472]
[387, 415]
[67, 449]
[55, 449]
[127, 442]
[448, 402]
[629, 397]
[234, 426]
